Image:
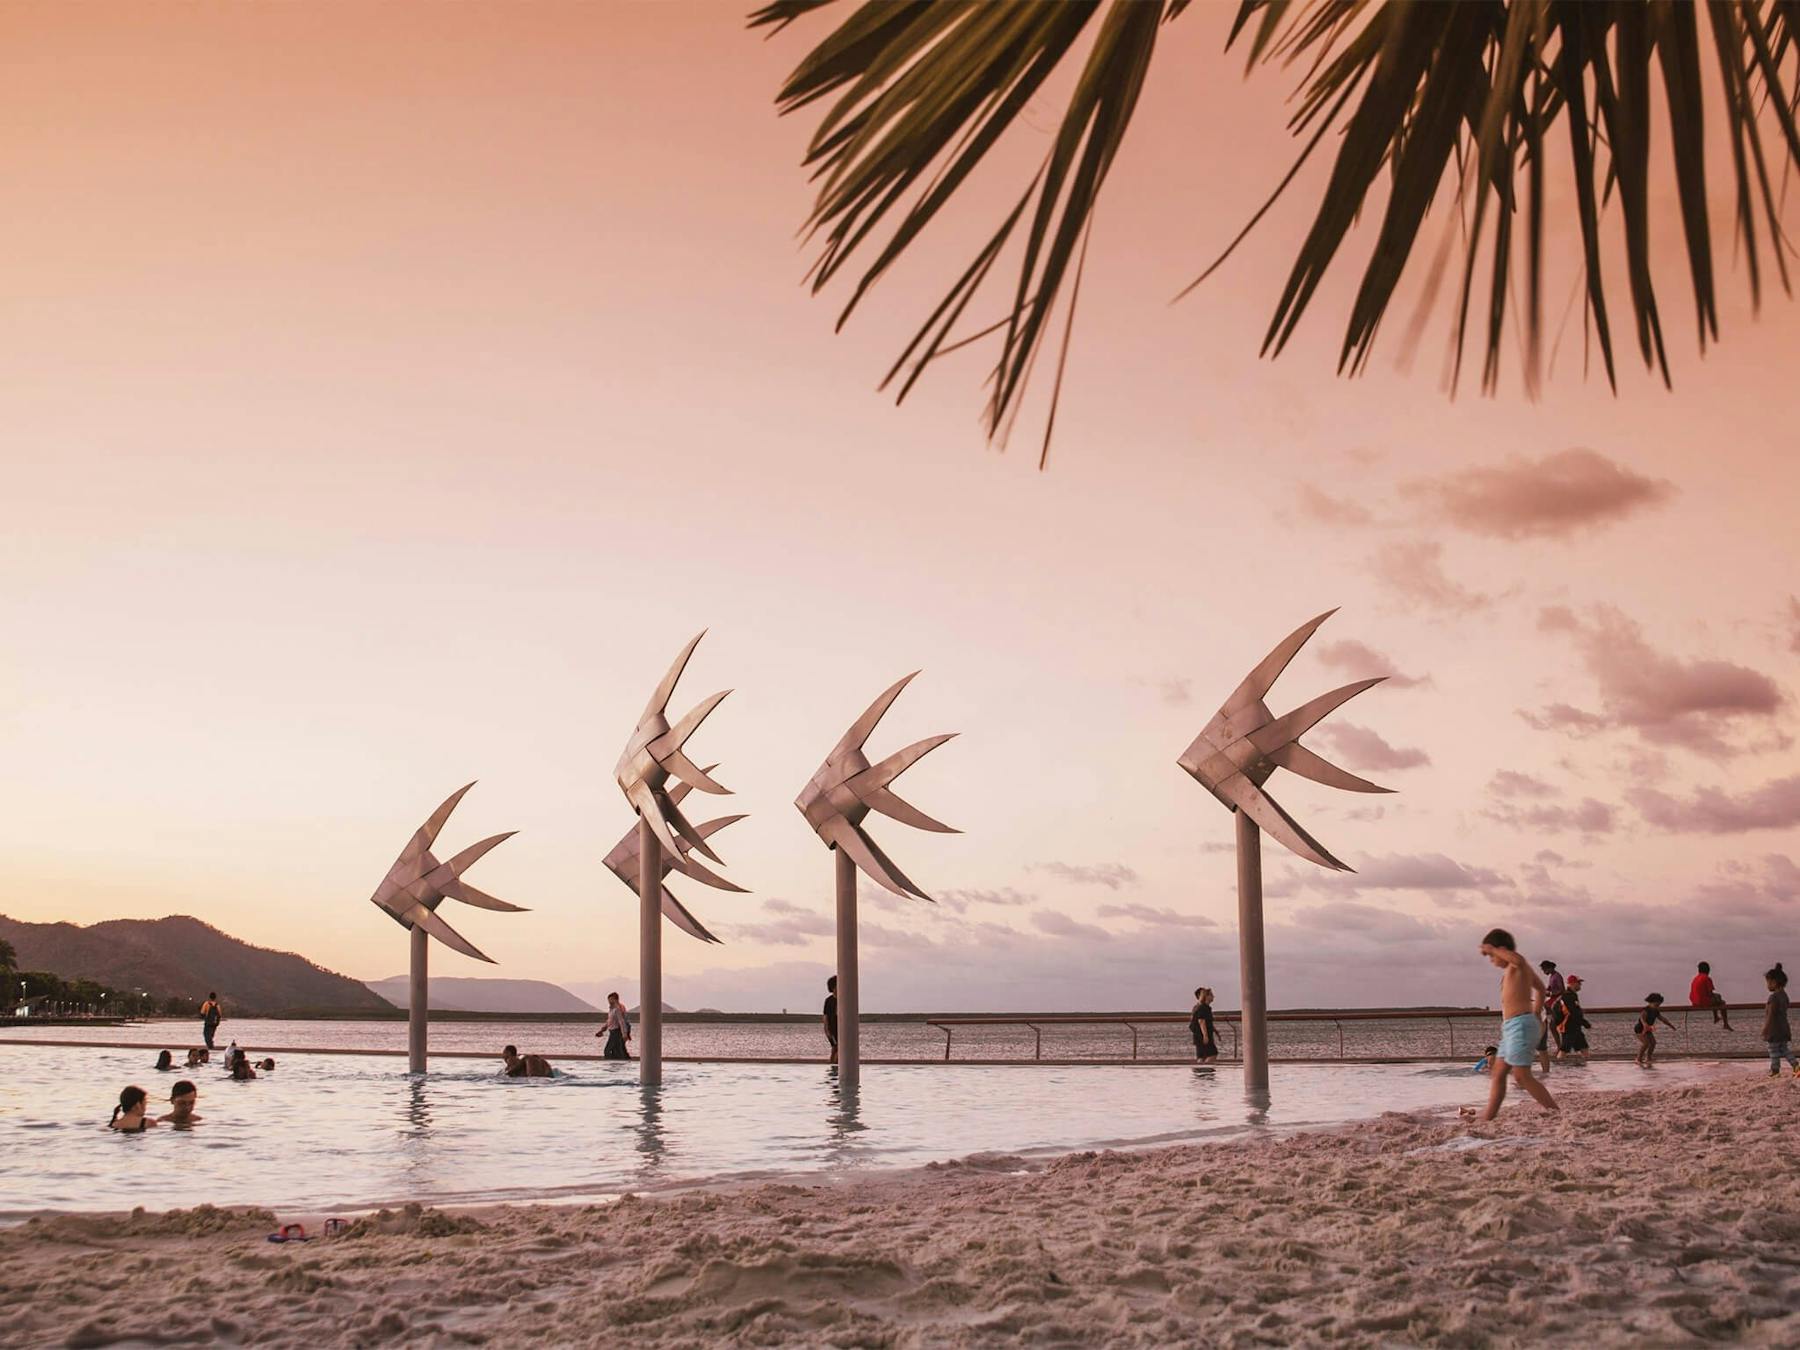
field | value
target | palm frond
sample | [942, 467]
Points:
[1423, 100]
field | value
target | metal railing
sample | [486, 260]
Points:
[1132, 1022]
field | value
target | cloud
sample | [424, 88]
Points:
[1553, 497]
[1155, 916]
[1323, 509]
[1793, 623]
[1410, 872]
[1413, 570]
[1773, 806]
[1664, 699]
[1364, 749]
[791, 925]
[1061, 925]
[1507, 783]
[1589, 816]
[1175, 692]
[1361, 660]
[958, 898]
[1111, 875]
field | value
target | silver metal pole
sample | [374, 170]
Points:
[1255, 997]
[848, 1011]
[650, 999]
[418, 1003]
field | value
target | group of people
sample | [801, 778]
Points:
[1525, 999]
[131, 1115]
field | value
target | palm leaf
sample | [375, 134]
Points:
[1424, 100]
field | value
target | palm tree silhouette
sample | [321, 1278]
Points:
[1464, 101]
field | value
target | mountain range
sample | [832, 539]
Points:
[181, 957]
[465, 994]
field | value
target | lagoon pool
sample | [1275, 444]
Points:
[326, 1134]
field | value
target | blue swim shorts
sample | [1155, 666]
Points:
[1519, 1038]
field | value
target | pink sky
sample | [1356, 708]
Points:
[388, 393]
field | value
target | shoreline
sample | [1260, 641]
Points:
[1649, 1215]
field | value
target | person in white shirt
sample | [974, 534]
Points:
[617, 1030]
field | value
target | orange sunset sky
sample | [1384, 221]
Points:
[388, 391]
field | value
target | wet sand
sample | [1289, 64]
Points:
[1654, 1217]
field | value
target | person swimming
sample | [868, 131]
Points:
[525, 1066]
[266, 1065]
[165, 1061]
[241, 1071]
[197, 1057]
[128, 1116]
[181, 1102]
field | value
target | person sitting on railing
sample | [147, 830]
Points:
[1701, 994]
[1206, 1040]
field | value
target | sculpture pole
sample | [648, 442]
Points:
[418, 1004]
[835, 801]
[1254, 1001]
[848, 1010]
[1235, 754]
[666, 841]
[650, 885]
[410, 894]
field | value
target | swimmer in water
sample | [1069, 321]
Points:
[524, 1066]
[128, 1116]
[181, 1102]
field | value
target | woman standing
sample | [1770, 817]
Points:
[1206, 1041]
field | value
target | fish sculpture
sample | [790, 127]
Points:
[418, 883]
[623, 863]
[1244, 743]
[837, 798]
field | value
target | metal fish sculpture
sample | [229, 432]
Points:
[1244, 743]
[623, 862]
[418, 883]
[847, 787]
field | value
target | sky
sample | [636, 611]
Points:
[387, 393]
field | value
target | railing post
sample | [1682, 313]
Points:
[1340, 1026]
[1133, 1039]
[946, 1031]
[1037, 1049]
[1451, 1023]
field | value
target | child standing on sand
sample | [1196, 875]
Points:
[1645, 1030]
[1521, 1011]
[1775, 1023]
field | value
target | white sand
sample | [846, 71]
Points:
[1643, 1218]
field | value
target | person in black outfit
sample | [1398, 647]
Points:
[1206, 1042]
[830, 1016]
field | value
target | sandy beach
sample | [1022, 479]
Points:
[1654, 1217]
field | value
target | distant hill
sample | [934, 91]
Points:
[457, 993]
[180, 957]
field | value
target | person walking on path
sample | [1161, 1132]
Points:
[1775, 1029]
[829, 1017]
[617, 1030]
[1521, 1013]
[1701, 994]
[210, 1017]
[1645, 1030]
[1206, 1040]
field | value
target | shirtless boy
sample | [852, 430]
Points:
[1521, 1011]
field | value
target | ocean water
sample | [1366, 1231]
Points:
[335, 1134]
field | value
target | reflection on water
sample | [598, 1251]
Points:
[340, 1133]
[650, 1128]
